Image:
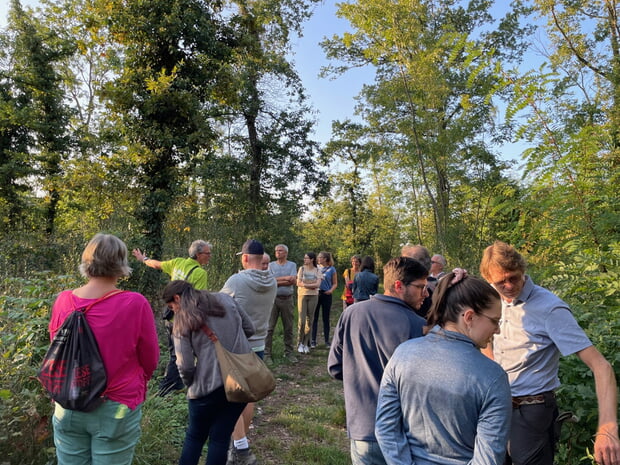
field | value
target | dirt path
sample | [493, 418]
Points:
[302, 421]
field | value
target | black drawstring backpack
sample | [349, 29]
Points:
[73, 373]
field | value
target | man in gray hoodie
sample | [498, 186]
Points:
[254, 290]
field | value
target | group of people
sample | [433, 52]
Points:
[470, 382]
[474, 381]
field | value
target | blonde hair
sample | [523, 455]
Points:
[501, 255]
[105, 255]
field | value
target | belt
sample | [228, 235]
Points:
[532, 400]
[283, 297]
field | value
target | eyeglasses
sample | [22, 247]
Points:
[204, 253]
[421, 287]
[513, 280]
[495, 321]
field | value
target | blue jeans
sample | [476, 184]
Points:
[105, 436]
[366, 453]
[210, 417]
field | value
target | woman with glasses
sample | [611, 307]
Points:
[211, 415]
[441, 400]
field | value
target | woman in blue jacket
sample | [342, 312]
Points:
[366, 282]
[441, 400]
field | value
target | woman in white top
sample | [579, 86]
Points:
[308, 281]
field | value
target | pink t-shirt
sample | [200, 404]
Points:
[124, 327]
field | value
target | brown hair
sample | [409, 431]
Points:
[328, 258]
[368, 264]
[501, 255]
[449, 300]
[194, 306]
[402, 269]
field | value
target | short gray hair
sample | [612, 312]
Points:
[198, 246]
[105, 255]
[283, 246]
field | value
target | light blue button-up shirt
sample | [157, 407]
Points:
[536, 328]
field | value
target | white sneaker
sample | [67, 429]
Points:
[300, 348]
[306, 349]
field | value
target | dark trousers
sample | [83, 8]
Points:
[325, 304]
[211, 417]
[532, 435]
[172, 379]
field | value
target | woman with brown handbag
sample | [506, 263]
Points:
[211, 415]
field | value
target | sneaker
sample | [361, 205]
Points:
[306, 349]
[244, 457]
[300, 348]
[230, 458]
[313, 345]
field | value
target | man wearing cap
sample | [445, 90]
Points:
[254, 289]
[285, 273]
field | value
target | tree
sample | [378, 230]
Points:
[569, 109]
[431, 105]
[14, 143]
[36, 81]
[161, 96]
[267, 150]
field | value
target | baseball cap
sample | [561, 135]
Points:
[252, 247]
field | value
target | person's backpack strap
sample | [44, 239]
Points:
[190, 272]
[89, 306]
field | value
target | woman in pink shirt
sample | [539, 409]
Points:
[124, 328]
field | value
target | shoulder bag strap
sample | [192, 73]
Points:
[190, 272]
[209, 333]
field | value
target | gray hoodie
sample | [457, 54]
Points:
[254, 291]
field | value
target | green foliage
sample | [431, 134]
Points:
[438, 72]
[25, 410]
[590, 283]
[163, 428]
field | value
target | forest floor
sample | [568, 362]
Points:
[303, 420]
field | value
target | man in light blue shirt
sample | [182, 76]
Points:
[536, 327]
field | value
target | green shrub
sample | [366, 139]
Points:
[25, 410]
[591, 285]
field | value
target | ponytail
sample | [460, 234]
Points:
[454, 293]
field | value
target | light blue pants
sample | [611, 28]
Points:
[106, 436]
[366, 453]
